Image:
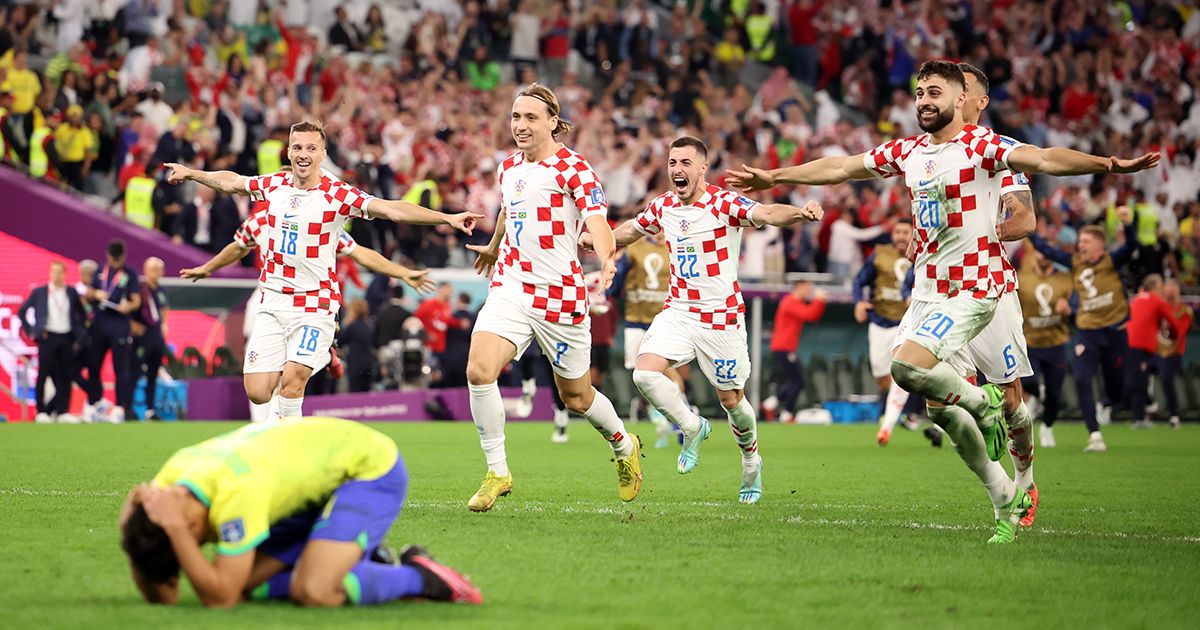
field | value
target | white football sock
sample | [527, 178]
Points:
[663, 393]
[604, 417]
[261, 413]
[964, 433]
[290, 407]
[1020, 446]
[745, 430]
[893, 407]
[487, 408]
[561, 418]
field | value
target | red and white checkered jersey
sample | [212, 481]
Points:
[545, 204]
[705, 240]
[299, 237]
[955, 192]
[1010, 183]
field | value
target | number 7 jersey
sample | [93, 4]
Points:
[545, 204]
[705, 240]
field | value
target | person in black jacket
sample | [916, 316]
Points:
[209, 221]
[118, 294]
[57, 327]
[149, 328]
[356, 339]
[390, 318]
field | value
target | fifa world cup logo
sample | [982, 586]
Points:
[1087, 278]
[1043, 293]
[652, 264]
[901, 267]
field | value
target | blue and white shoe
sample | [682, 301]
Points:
[689, 456]
[751, 490]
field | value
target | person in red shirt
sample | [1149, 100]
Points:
[1172, 343]
[1147, 312]
[437, 316]
[801, 306]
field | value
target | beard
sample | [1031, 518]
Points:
[942, 119]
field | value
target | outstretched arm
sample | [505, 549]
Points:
[783, 215]
[487, 254]
[625, 234]
[402, 211]
[377, 263]
[1021, 220]
[226, 182]
[826, 170]
[1059, 256]
[231, 253]
[1060, 162]
[1122, 254]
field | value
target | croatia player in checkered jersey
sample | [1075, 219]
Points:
[537, 292]
[294, 326]
[703, 317]
[253, 235]
[953, 174]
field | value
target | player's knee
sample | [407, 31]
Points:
[729, 398]
[577, 402]
[291, 389]
[315, 592]
[906, 375]
[478, 374]
[644, 380]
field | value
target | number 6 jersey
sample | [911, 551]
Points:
[298, 237]
[955, 189]
[705, 240]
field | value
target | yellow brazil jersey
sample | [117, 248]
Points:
[891, 266]
[261, 473]
[1102, 300]
[1039, 294]
[647, 281]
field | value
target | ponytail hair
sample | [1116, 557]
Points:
[543, 94]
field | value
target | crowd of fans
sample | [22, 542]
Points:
[416, 94]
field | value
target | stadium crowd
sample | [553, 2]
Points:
[95, 96]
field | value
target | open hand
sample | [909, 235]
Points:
[485, 259]
[420, 281]
[860, 311]
[164, 508]
[194, 273]
[1118, 165]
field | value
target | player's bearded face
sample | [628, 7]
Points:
[936, 104]
[685, 167]
[306, 151]
[901, 235]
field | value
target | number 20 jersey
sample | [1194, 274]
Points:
[955, 189]
[298, 239]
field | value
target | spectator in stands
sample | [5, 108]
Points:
[149, 328]
[345, 34]
[77, 146]
[797, 308]
[356, 340]
[24, 85]
[845, 249]
[208, 221]
[53, 317]
[118, 295]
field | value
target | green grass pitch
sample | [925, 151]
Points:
[847, 535]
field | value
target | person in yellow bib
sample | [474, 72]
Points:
[297, 510]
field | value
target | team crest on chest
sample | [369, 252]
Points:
[520, 187]
[684, 226]
[930, 166]
[295, 202]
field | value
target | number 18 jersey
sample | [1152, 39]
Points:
[298, 235]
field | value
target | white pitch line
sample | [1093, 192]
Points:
[1047, 531]
[595, 507]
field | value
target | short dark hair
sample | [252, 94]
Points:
[977, 73]
[465, 298]
[691, 141]
[149, 548]
[309, 126]
[1094, 230]
[905, 220]
[948, 70]
[398, 291]
[116, 249]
